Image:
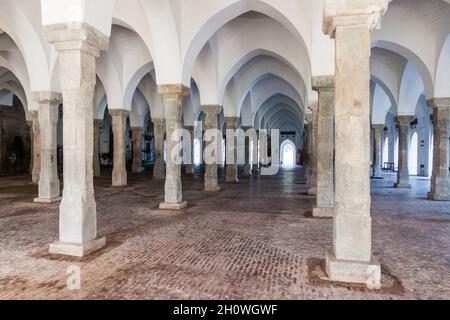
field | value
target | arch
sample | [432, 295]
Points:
[442, 89]
[288, 152]
[223, 16]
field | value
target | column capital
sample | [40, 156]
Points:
[378, 126]
[119, 113]
[158, 121]
[308, 117]
[137, 129]
[245, 128]
[173, 92]
[323, 83]
[404, 120]
[341, 13]
[439, 103]
[47, 97]
[211, 109]
[76, 36]
[232, 122]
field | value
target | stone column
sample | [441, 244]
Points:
[78, 45]
[324, 85]
[248, 166]
[212, 123]
[173, 98]
[440, 183]
[158, 168]
[49, 190]
[313, 171]
[308, 162]
[97, 128]
[404, 126]
[232, 168]
[36, 147]
[350, 23]
[190, 166]
[119, 127]
[255, 164]
[377, 149]
[137, 133]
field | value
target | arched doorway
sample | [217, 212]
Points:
[288, 153]
[197, 152]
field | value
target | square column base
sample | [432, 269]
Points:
[77, 249]
[216, 189]
[323, 212]
[173, 206]
[435, 197]
[358, 272]
[402, 186]
[232, 181]
[47, 201]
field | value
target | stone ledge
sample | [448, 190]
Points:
[216, 189]
[76, 249]
[368, 273]
[323, 212]
[47, 201]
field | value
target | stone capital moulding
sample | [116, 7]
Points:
[232, 122]
[404, 119]
[119, 112]
[76, 36]
[214, 109]
[47, 97]
[173, 91]
[439, 103]
[323, 83]
[352, 13]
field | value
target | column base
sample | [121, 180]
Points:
[76, 249]
[232, 181]
[402, 186]
[47, 201]
[358, 272]
[214, 189]
[435, 197]
[323, 212]
[173, 206]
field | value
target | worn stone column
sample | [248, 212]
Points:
[212, 123]
[314, 132]
[350, 23]
[377, 149]
[173, 98]
[159, 171]
[36, 147]
[49, 189]
[324, 85]
[308, 163]
[404, 126]
[255, 164]
[78, 45]
[137, 133]
[440, 182]
[190, 166]
[119, 127]
[97, 128]
[232, 168]
[248, 166]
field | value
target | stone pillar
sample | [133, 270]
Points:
[248, 166]
[173, 98]
[324, 85]
[377, 150]
[49, 190]
[255, 164]
[78, 46]
[137, 133]
[36, 147]
[404, 126]
[350, 23]
[190, 165]
[440, 183]
[119, 127]
[232, 168]
[212, 123]
[158, 168]
[308, 162]
[313, 145]
[97, 128]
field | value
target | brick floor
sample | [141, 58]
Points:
[255, 240]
